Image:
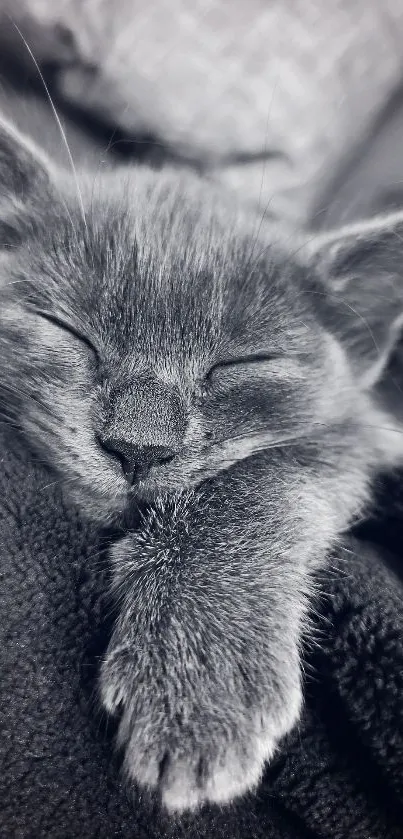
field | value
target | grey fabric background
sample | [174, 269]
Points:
[227, 82]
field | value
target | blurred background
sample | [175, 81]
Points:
[295, 104]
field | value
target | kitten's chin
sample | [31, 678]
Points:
[150, 489]
[113, 502]
[99, 508]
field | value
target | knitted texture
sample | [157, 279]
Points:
[225, 83]
[339, 775]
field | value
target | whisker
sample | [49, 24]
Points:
[20, 392]
[58, 122]
[256, 238]
[57, 482]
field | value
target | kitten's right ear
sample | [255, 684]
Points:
[360, 291]
[25, 179]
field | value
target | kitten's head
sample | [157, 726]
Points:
[151, 336]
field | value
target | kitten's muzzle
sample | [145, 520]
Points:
[145, 426]
[136, 461]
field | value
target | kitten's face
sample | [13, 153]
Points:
[160, 340]
[158, 346]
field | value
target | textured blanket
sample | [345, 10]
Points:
[268, 96]
[339, 775]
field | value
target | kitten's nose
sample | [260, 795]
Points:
[137, 460]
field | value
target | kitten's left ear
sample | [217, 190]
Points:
[361, 269]
[25, 175]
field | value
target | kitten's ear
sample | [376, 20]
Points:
[361, 267]
[25, 176]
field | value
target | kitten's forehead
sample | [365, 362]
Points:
[161, 267]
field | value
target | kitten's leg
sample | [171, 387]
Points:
[204, 663]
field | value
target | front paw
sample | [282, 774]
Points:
[195, 736]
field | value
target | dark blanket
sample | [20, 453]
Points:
[339, 775]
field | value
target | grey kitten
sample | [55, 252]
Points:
[158, 347]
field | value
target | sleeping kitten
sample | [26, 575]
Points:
[157, 346]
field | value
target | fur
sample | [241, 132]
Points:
[145, 318]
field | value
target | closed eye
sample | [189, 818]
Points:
[242, 361]
[67, 327]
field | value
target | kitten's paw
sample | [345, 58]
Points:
[207, 747]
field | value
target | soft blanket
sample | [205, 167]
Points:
[339, 775]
